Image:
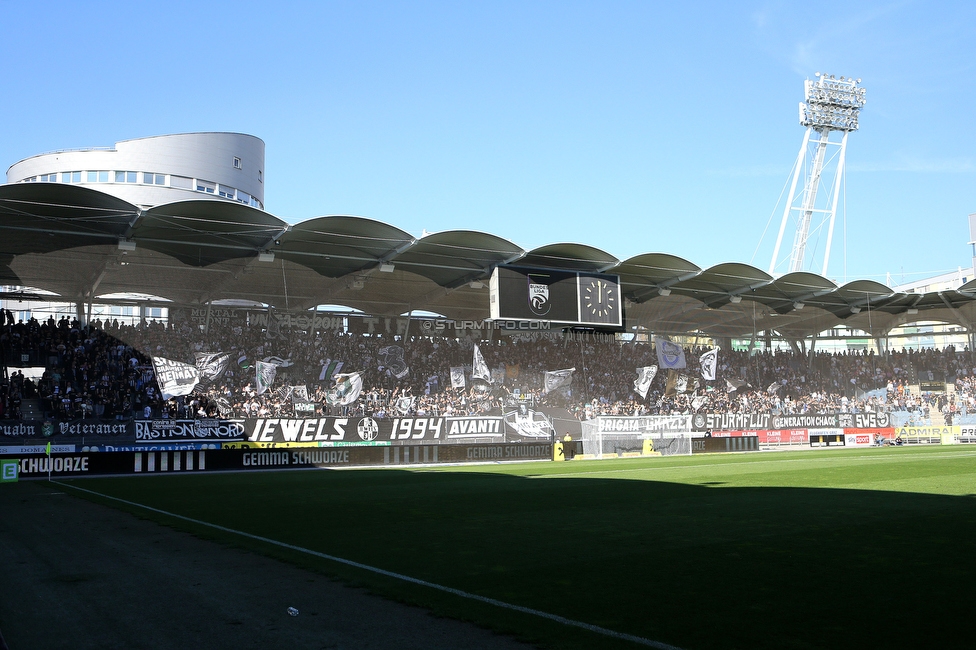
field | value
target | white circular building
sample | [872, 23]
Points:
[157, 170]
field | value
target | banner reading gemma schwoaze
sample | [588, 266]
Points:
[175, 378]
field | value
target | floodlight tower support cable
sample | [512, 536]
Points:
[786, 212]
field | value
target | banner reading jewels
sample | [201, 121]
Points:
[333, 431]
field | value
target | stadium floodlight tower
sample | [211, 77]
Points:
[832, 106]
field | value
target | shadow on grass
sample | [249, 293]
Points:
[691, 565]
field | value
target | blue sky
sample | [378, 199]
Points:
[631, 126]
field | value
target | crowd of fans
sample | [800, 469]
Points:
[104, 370]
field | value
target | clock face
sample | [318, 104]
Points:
[600, 301]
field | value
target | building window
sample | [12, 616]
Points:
[125, 177]
[260, 176]
[206, 186]
[149, 178]
[237, 163]
[98, 177]
[49, 178]
[227, 192]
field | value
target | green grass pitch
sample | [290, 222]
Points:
[872, 548]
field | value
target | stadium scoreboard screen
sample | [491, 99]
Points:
[557, 296]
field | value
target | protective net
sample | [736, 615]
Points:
[606, 444]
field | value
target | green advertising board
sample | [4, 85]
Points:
[8, 471]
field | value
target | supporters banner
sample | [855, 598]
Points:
[185, 430]
[174, 377]
[781, 437]
[337, 432]
[649, 424]
[864, 420]
[330, 368]
[11, 429]
[708, 362]
[645, 376]
[669, 355]
[731, 421]
[806, 421]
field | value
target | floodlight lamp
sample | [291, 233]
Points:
[735, 300]
[476, 285]
[664, 291]
[266, 256]
[387, 268]
[798, 305]
[912, 311]
[127, 245]
[855, 310]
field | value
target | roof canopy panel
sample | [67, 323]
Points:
[574, 257]
[339, 245]
[201, 233]
[454, 257]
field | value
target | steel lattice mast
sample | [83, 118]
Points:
[832, 105]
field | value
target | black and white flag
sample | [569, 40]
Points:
[645, 376]
[708, 361]
[479, 369]
[391, 359]
[211, 365]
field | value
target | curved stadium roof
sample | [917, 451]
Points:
[66, 239]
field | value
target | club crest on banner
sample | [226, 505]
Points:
[669, 355]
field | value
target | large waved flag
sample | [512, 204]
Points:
[669, 355]
[174, 377]
[329, 369]
[645, 376]
[211, 364]
[479, 369]
[264, 376]
[557, 379]
[346, 391]
[708, 361]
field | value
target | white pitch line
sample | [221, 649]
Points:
[390, 574]
[751, 462]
